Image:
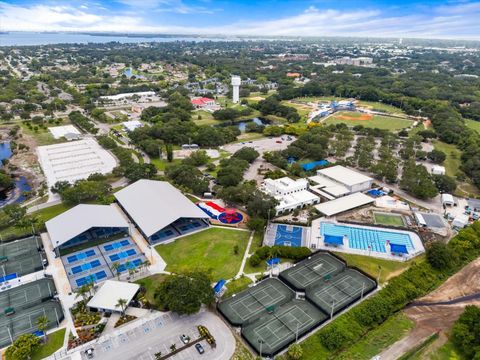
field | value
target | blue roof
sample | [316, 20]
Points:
[312, 165]
[398, 249]
[332, 239]
[219, 286]
[274, 261]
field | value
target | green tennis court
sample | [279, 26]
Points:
[312, 270]
[335, 294]
[27, 295]
[276, 330]
[255, 301]
[24, 322]
[21, 257]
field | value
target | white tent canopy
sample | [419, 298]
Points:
[154, 205]
[81, 218]
[106, 298]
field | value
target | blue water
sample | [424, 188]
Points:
[37, 38]
[128, 73]
[243, 125]
[5, 151]
[360, 238]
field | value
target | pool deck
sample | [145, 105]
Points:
[316, 240]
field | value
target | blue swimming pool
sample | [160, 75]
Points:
[361, 238]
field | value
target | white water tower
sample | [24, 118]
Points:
[236, 82]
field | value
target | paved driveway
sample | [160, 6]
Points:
[158, 332]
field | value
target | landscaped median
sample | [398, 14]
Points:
[338, 337]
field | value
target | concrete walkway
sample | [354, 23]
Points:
[246, 255]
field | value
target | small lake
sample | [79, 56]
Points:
[5, 151]
[242, 125]
[15, 195]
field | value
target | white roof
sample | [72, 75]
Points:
[344, 175]
[447, 198]
[155, 204]
[300, 197]
[127, 95]
[107, 296]
[60, 131]
[342, 204]
[83, 217]
[330, 187]
[132, 125]
[460, 221]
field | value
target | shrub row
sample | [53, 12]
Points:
[420, 279]
[286, 252]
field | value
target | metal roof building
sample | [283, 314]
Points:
[351, 179]
[343, 204]
[106, 298]
[76, 221]
[153, 205]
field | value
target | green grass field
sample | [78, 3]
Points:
[371, 265]
[377, 106]
[236, 286]
[206, 118]
[55, 342]
[472, 124]
[210, 250]
[388, 219]
[150, 283]
[453, 162]
[380, 338]
[380, 122]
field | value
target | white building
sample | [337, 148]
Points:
[292, 194]
[132, 125]
[337, 181]
[106, 298]
[460, 221]
[236, 82]
[67, 131]
[438, 170]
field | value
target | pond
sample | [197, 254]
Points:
[242, 125]
[15, 195]
[5, 151]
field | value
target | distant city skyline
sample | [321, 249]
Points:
[383, 18]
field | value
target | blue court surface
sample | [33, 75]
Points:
[85, 267]
[116, 245]
[367, 239]
[91, 278]
[80, 256]
[8, 277]
[288, 235]
[122, 255]
[129, 265]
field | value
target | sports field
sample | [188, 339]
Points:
[211, 250]
[388, 219]
[367, 120]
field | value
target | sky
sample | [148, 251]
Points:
[375, 18]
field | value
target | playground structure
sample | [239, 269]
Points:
[222, 215]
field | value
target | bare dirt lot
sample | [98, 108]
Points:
[438, 318]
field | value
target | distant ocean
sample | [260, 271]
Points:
[38, 38]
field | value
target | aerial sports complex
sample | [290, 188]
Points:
[276, 312]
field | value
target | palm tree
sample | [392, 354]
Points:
[82, 292]
[122, 304]
[115, 267]
[173, 347]
[42, 324]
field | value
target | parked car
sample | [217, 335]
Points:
[89, 353]
[185, 339]
[199, 348]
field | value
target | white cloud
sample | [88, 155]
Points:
[458, 20]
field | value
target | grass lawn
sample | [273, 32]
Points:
[206, 118]
[151, 283]
[42, 136]
[161, 164]
[54, 342]
[236, 286]
[370, 265]
[378, 121]
[377, 106]
[249, 136]
[375, 341]
[388, 219]
[210, 250]
[444, 352]
[452, 162]
[472, 124]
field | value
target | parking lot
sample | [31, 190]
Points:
[158, 332]
[262, 145]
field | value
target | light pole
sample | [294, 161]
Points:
[296, 334]
[261, 343]
[333, 306]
